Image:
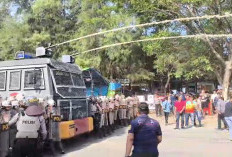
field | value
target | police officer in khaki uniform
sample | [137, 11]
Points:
[96, 112]
[107, 118]
[13, 130]
[15, 107]
[116, 109]
[104, 119]
[31, 130]
[120, 111]
[124, 110]
[99, 101]
[21, 101]
[101, 132]
[135, 106]
[130, 108]
[93, 107]
[111, 113]
[54, 119]
[106, 111]
[5, 115]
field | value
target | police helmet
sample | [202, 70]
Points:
[15, 103]
[94, 99]
[90, 98]
[32, 100]
[111, 99]
[99, 100]
[43, 103]
[11, 98]
[6, 103]
[117, 97]
[106, 100]
[20, 97]
[129, 98]
[51, 102]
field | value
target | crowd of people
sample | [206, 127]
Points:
[26, 124]
[190, 109]
[111, 113]
[187, 107]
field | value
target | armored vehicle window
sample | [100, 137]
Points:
[15, 79]
[3, 80]
[69, 85]
[79, 109]
[62, 78]
[34, 79]
[65, 110]
[69, 92]
[77, 80]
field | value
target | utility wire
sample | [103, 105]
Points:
[143, 25]
[200, 36]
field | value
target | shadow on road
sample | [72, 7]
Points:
[86, 140]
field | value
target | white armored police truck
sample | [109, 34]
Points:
[47, 78]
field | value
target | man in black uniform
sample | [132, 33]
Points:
[145, 134]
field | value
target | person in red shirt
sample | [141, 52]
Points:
[179, 111]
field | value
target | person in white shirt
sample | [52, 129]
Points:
[214, 98]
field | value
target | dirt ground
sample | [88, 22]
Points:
[206, 141]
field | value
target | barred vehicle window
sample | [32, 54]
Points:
[15, 80]
[77, 80]
[68, 92]
[62, 78]
[3, 80]
[65, 110]
[79, 109]
[34, 79]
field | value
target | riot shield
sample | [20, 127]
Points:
[4, 139]
[55, 132]
[54, 124]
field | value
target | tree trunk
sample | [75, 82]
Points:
[151, 86]
[226, 80]
[162, 86]
[167, 83]
[219, 77]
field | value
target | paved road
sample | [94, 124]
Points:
[194, 142]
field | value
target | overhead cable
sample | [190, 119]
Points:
[143, 25]
[200, 36]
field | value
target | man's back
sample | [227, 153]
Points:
[173, 99]
[145, 134]
[228, 109]
[221, 106]
[146, 131]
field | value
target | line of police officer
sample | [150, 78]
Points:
[23, 126]
[26, 123]
[111, 113]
